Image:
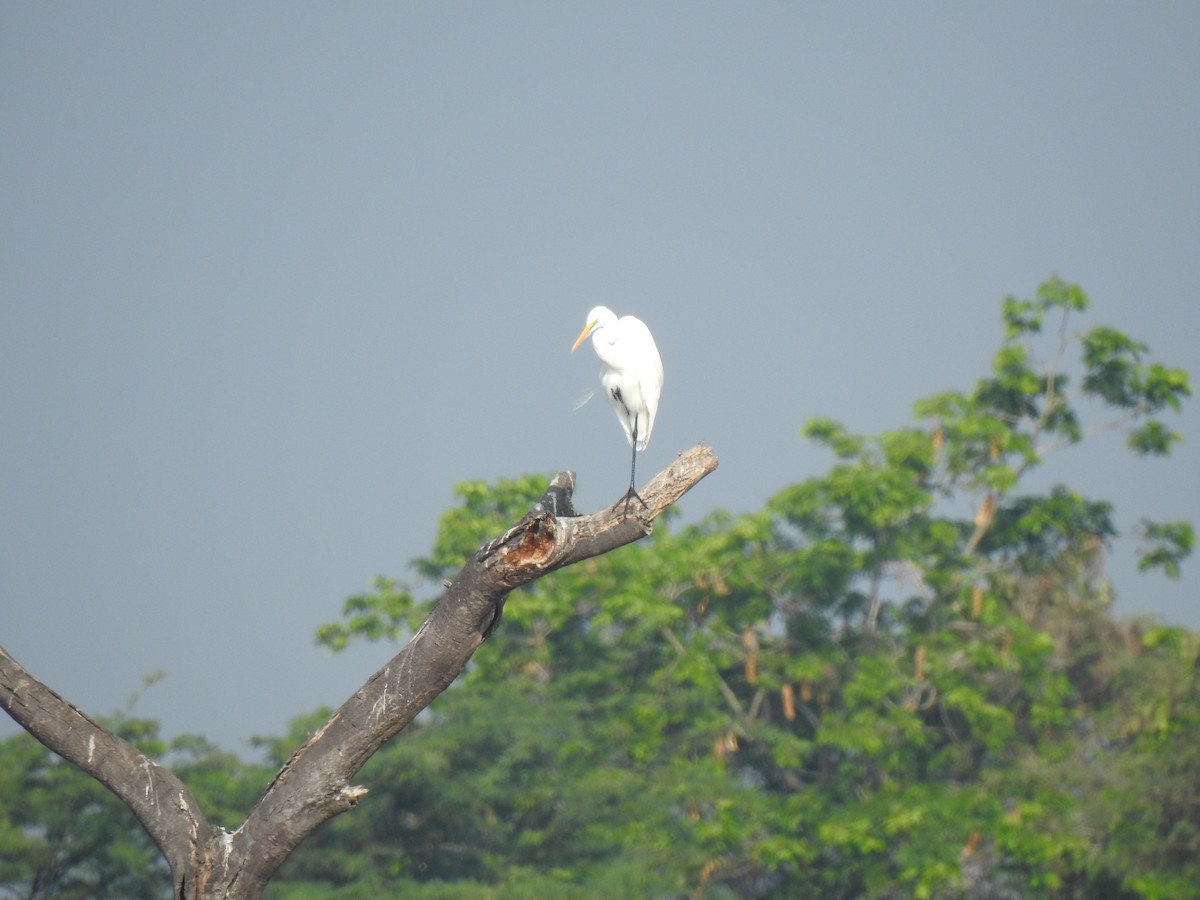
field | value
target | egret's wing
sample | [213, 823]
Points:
[646, 365]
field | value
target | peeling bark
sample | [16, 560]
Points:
[209, 862]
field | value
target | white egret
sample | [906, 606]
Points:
[632, 374]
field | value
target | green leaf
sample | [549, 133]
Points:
[1152, 439]
[1169, 544]
[834, 436]
[1061, 294]
[1021, 317]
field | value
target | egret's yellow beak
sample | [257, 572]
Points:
[586, 331]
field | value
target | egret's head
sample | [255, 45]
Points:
[597, 318]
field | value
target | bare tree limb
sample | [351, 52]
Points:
[161, 802]
[314, 785]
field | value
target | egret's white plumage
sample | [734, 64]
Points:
[630, 370]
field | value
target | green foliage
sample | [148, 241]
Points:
[64, 835]
[1117, 375]
[855, 692]
[1169, 543]
[898, 679]
[386, 612]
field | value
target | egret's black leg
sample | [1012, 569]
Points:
[633, 462]
[632, 492]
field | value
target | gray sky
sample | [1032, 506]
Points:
[274, 277]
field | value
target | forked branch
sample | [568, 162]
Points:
[314, 785]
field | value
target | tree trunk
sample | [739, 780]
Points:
[210, 862]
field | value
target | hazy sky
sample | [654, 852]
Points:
[275, 277]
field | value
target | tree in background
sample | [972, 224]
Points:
[899, 679]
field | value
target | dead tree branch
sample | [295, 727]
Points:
[314, 785]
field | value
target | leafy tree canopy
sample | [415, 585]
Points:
[898, 679]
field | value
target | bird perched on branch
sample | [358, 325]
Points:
[632, 374]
